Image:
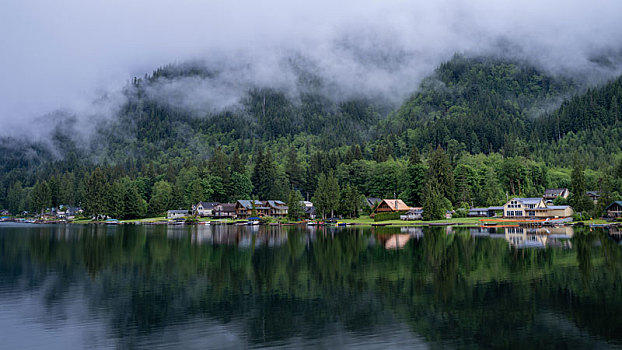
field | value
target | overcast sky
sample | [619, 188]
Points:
[64, 54]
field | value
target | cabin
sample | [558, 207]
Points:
[309, 209]
[594, 195]
[552, 193]
[534, 208]
[391, 206]
[614, 210]
[244, 208]
[277, 208]
[205, 209]
[224, 211]
[413, 214]
[177, 214]
[5, 212]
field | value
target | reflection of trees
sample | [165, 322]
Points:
[446, 286]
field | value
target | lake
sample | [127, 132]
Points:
[191, 287]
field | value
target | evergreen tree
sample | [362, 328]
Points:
[579, 200]
[115, 198]
[432, 201]
[240, 187]
[295, 172]
[134, 206]
[41, 197]
[415, 178]
[326, 197]
[295, 210]
[441, 170]
[161, 196]
[95, 194]
[14, 198]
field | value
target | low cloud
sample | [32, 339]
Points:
[76, 56]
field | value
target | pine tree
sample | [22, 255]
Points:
[415, 178]
[441, 170]
[14, 198]
[432, 201]
[295, 172]
[579, 200]
[295, 211]
[41, 197]
[95, 194]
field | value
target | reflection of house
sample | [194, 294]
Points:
[204, 209]
[594, 195]
[534, 208]
[391, 205]
[552, 193]
[224, 210]
[176, 214]
[614, 210]
[528, 237]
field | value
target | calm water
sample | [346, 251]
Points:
[151, 287]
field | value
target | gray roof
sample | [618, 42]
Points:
[178, 211]
[277, 204]
[208, 205]
[371, 201]
[554, 190]
[495, 208]
[248, 203]
[528, 200]
[612, 203]
[479, 209]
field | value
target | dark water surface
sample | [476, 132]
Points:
[152, 287]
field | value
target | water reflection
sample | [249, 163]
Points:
[240, 286]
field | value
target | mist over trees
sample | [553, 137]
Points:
[478, 131]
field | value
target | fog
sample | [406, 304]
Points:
[76, 56]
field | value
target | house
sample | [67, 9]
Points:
[177, 214]
[391, 205]
[534, 208]
[594, 195]
[277, 208]
[371, 201]
[4, 212]
[204, 209]
[244, 208]
[68, 212]
[484, 212]
[309, 209]
[413, 214]
[478, 212]
[552, 193]
[224, 210]
[614, 210]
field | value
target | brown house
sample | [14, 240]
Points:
[614, 210]
[552, 193]
[244, 208]
[391, 205]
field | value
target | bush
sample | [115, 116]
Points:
[388, 216]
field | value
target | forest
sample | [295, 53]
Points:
[477, 131]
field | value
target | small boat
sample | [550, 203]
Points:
[253, 222]
[204, 223]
